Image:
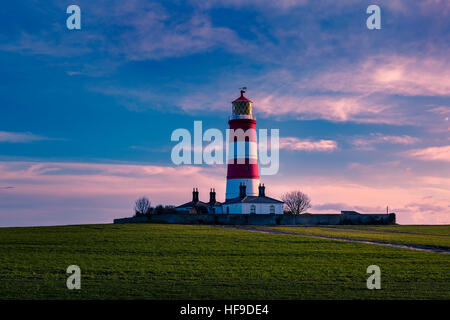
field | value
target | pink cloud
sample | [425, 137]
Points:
[431, 154]
[420, 204]
[367, 143]
[66, 193]
[359, 92]
[296, 144]
[390, 74]
[443, 111]
[370, 188]
[323, 107]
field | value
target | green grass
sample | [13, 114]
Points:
[151, 261]
[420, 236]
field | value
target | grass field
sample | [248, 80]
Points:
[151, 261]
[421, 236]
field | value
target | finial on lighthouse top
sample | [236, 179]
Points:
[242, 106]
[242, 98]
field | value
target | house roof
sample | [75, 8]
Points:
[252, 199]
[349, 212]
[192, 204]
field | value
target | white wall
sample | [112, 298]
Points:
[245, 208]
[263, 208]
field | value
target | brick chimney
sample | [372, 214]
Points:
[195, 195]
[212, 196]
[242, 190]
[262, 190]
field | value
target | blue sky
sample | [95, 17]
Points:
[86, 115]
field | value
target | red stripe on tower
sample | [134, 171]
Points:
[242, 150]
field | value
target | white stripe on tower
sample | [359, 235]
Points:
[242, 150]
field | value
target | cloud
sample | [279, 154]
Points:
[49, 193]
[425, 211]
[132, 31]
[338, 207]
[46, 45]
[20, 137]
[359, 88]
[414, 199]
[425, 207]
[158, 38]
[374, 90]
[365, 91]
[396, 6]
[389, 74]
[431, 154]
[296, 144]
[150, 149]
[367, 143]
[257, 4]
[328, 107]
[443, 110]
[334, 207]
[277, 104]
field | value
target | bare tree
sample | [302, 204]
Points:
[142, 206]
[296, 201]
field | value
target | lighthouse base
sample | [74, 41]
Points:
[233, 187]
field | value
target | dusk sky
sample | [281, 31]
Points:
[86, 116]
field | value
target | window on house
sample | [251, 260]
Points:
[253, 209]
[228, 209]
[272, 209]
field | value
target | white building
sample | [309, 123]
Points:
[251, 204]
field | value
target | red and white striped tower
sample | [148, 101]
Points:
[242, 150]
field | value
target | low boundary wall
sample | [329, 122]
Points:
[245, 219]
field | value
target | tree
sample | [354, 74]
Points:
[159, 209]
[142, 206]
[296, 201]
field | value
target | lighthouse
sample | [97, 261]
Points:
[242, 159]
[245, 194]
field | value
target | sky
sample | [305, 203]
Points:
[86, 116]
